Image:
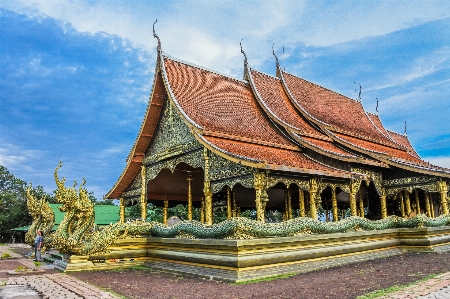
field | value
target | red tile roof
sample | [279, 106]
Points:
[219, 103]
[378, 148]
[404, 141]
[273, 97]
[275, 157]
[341, 113]
[276, 100]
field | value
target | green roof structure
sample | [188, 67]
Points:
[104, 215]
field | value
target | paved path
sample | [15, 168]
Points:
[44, 285]
[60, 285]
[435, 288]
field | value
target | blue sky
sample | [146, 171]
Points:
[75, 76]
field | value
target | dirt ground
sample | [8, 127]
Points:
[348, 281]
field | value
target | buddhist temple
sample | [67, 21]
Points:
[270, 142]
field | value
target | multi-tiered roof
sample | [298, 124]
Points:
[282, 123]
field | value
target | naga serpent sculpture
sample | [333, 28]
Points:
[76, 234]
[43, 218]
[78, 221]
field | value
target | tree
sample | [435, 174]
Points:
[13, 203]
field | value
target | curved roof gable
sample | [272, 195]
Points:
[341, 113]
[219, 104]
[228, 119]
[274, 100]
[148, 126]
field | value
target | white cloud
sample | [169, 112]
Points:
[13, 157]
[443, 161]
[208, 32]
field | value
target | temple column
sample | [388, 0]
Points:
[289, 204]
[442, 186]
[354, 187]
[353, 210]
[334, 204]
[260, 185]
[189, 179]
[301, 202]
[122, 211]
[207, 190]
[234, 210]
[228, 202]
[165, 211]
[427, 204]
[402, 203]
[431, 208]
[202, 210]
[313, 188]
[383, 206]
[416, 195]
[143, 198]
[361, 205]
[407, 202]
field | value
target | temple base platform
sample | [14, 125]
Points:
[246, 260]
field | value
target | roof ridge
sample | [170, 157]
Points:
[268, 75]
[247, 140]
[356, 101]
[326, 165]
[400, 134]
[203, 68]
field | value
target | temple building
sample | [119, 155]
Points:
[270, 143]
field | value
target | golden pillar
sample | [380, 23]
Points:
[431, 208]
[301, 202]
[402, 203]
[442, 186]
[165, 211]
[189, 179]
[207, 190]
[228, 202]
[383, 206]
[354, 187]
[202, 211]
[143, 198]
[313, 188]
[407, 202]
[427, 204]
[122, 211]
[353, 210]
[289, 202]
[416, 195]
[234, 211]
[334, 206]
[238, 212]
[361, 205]
[260, 185]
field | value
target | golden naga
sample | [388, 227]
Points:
[43, 218]
[78, 222]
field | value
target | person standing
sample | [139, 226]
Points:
[38, 244]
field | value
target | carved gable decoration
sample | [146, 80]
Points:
[172, 138]
[135, 187]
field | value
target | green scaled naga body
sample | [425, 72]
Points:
[76, 234]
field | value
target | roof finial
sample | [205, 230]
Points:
[273, 52]
[242, 51]
[376, 108]
[405, 130]
[359, 95]
[156, 36]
